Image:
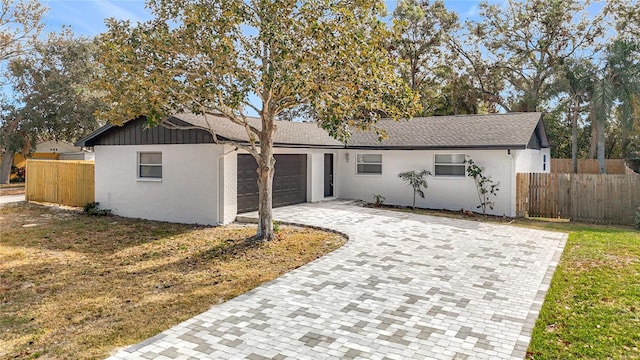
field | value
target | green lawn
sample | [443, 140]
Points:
[592, 310]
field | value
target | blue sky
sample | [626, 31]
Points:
[86, 17]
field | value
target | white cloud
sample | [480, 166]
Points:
[132, 10]
[86, 17]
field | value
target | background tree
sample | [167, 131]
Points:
[51, 96]
[212, 57]
[423, 28]
[578, 81]
[627, 13]
[417, 180]
[20, 26]
[524, 43]
[617, 85]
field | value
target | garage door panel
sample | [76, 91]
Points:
[289, 182]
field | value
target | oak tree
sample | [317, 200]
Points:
[210, 57]
[20, 26]
[423, 29]
[524, 43]
[51, 97]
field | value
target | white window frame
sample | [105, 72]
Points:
[358, 162]
[451, 164]
[140, 165]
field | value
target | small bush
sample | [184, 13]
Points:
[276, 226]
[93, 209]
[378, 200]
[638, 219]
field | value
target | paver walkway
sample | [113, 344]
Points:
[403, 287]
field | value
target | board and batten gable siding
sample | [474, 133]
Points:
[136, 132]
[185, 194]
[444, 192]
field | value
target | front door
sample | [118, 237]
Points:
[328, 175]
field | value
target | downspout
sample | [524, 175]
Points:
[512, 200]
[220, 186]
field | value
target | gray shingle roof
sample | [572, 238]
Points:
[495, 131]
[287, 132]
[463, 131]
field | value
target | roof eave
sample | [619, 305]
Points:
[87, 140]
[438, 147]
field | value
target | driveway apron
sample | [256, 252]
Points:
[403, 287]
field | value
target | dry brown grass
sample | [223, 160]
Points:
[74, 286]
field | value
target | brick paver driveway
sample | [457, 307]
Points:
[404, 287]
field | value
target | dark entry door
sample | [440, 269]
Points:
[328, 175]
[289, 181]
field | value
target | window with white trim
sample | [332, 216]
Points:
[450, 165]
[369, 164]
[150, 165]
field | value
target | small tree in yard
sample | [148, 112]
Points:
[484, 186]
[417, 180]
[227, 57]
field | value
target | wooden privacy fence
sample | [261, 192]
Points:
[587, 166]
[605, 199]
[61, 182]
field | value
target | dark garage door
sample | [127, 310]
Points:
[289, 181]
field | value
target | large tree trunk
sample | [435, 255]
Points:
[5, 171]
[601, 144]
[593, 143]
[266, 170]
[624, 146]
[574, 136]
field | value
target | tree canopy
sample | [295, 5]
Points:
[50, 95]
[204, 58]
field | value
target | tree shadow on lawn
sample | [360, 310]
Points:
[68, 293]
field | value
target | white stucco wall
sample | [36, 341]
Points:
[191, 190]
[451, 193]
[228, 186]
[532, 161]
[187, 192]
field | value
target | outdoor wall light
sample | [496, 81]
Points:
[346, 157]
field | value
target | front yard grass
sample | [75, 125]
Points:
[74, 286]
[592, 309]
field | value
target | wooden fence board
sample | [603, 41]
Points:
[608, 199]
[588, 166]
[61, 182]
[522, 194]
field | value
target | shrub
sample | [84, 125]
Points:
[485, 187]
[638, 219]
[93, 209]
[378, 200]
[417, 180]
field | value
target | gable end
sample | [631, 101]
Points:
[538, 138]
[136, 132]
